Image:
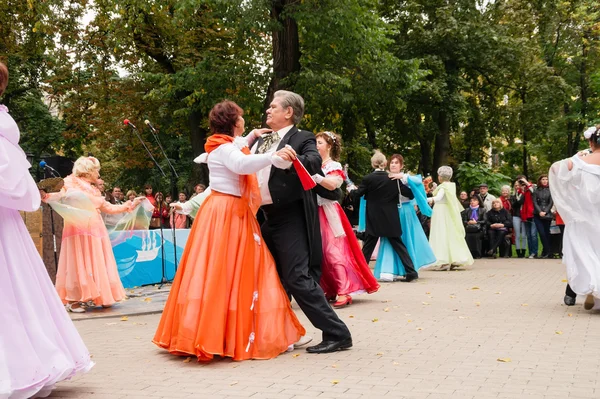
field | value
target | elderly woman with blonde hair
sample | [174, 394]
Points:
[447, 236]
[87, 270]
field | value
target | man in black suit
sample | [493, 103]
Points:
[291, 229]
[383, 196]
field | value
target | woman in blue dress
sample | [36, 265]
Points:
[388, 266]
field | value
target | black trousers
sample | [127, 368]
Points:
[399, 248]
[285, 233]
[543, 228]
[475, 242]
[495, 238]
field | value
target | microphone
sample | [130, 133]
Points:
[45, 166]
[147, 122]
[127, 123]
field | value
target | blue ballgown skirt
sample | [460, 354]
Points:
[414, 239]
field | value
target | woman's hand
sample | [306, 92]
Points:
[43, 195]
[177, 206]
[472, 221]
[396, 176]
[542, 214]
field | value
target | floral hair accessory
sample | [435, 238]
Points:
[589, 132]
[331, 136]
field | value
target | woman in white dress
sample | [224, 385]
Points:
[575, 187]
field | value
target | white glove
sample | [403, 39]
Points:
[317, 178]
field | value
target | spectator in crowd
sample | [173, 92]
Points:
[506, 245]
[474, 220]
[168, 199]
[524, 195]
[557, 231]
[160, 216]
[498, 221]
[117, 195]
[100, 186]
[131, 194]
[519, 234]
[180, 221]
[464, 199]
[198, 189]
[485, 198]
[542, 215]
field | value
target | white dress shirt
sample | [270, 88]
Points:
[264, 174]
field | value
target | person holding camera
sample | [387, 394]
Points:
[524, 199]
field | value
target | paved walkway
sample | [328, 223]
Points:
[496, 330]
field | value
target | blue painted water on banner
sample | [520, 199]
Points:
[139, 257]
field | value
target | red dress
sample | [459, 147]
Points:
[344, 269]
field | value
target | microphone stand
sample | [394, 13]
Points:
[163, 279]
[174, 194]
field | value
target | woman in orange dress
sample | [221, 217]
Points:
[87, 270]
[226, 299]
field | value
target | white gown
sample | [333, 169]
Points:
[576, 194]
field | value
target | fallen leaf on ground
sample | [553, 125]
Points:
[504, 359]
[148, 299]
[386, 309]
[558, 332]
[187, 360]
[462, 317]
[334, 366]
[395, 363]
[419, 328]
[524, 304]
[335, 382]
[564, 280]
[295, 355]
[386, 301]
[570, 314]
[375, 320]
[379, 353]
[233, 383]
[138, 338]
[475, 288]
[124, 318]
[477, 303]
[351, 316]
[452, 297]
[425, 303]
[409, 321]
[497, 293]
[110, 324]
[428, 293]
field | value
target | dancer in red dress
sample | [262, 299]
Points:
[345, 271]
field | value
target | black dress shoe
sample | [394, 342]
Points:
[410, 278]
[569, 300]
[331, 346]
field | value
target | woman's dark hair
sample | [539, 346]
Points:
[335, 141]
[595, 138]
[539, 180]
[223, 117]
[397, 157]
[147, 186]
[3, 78]
[476, 198]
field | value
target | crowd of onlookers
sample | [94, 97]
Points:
[162, 216]
[521, 214]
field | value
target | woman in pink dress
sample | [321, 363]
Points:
[344, 270]
[39, 345]
[87, 270]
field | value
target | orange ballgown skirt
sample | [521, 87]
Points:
[87, 269]
[226, 298]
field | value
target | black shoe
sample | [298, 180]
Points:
[331, 346]
[569, 300]
[546, 256]
[410, 277]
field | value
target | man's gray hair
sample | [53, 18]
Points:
[445, 173]
[291, 99]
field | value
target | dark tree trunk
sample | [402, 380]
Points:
[197, 138]
[524, 133]
[286, 50]
[425, 163]
[442, 141]
[583, 93]
[371, 136]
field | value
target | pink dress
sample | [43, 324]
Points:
[87, 270]
[344, 269]
[39, 346]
